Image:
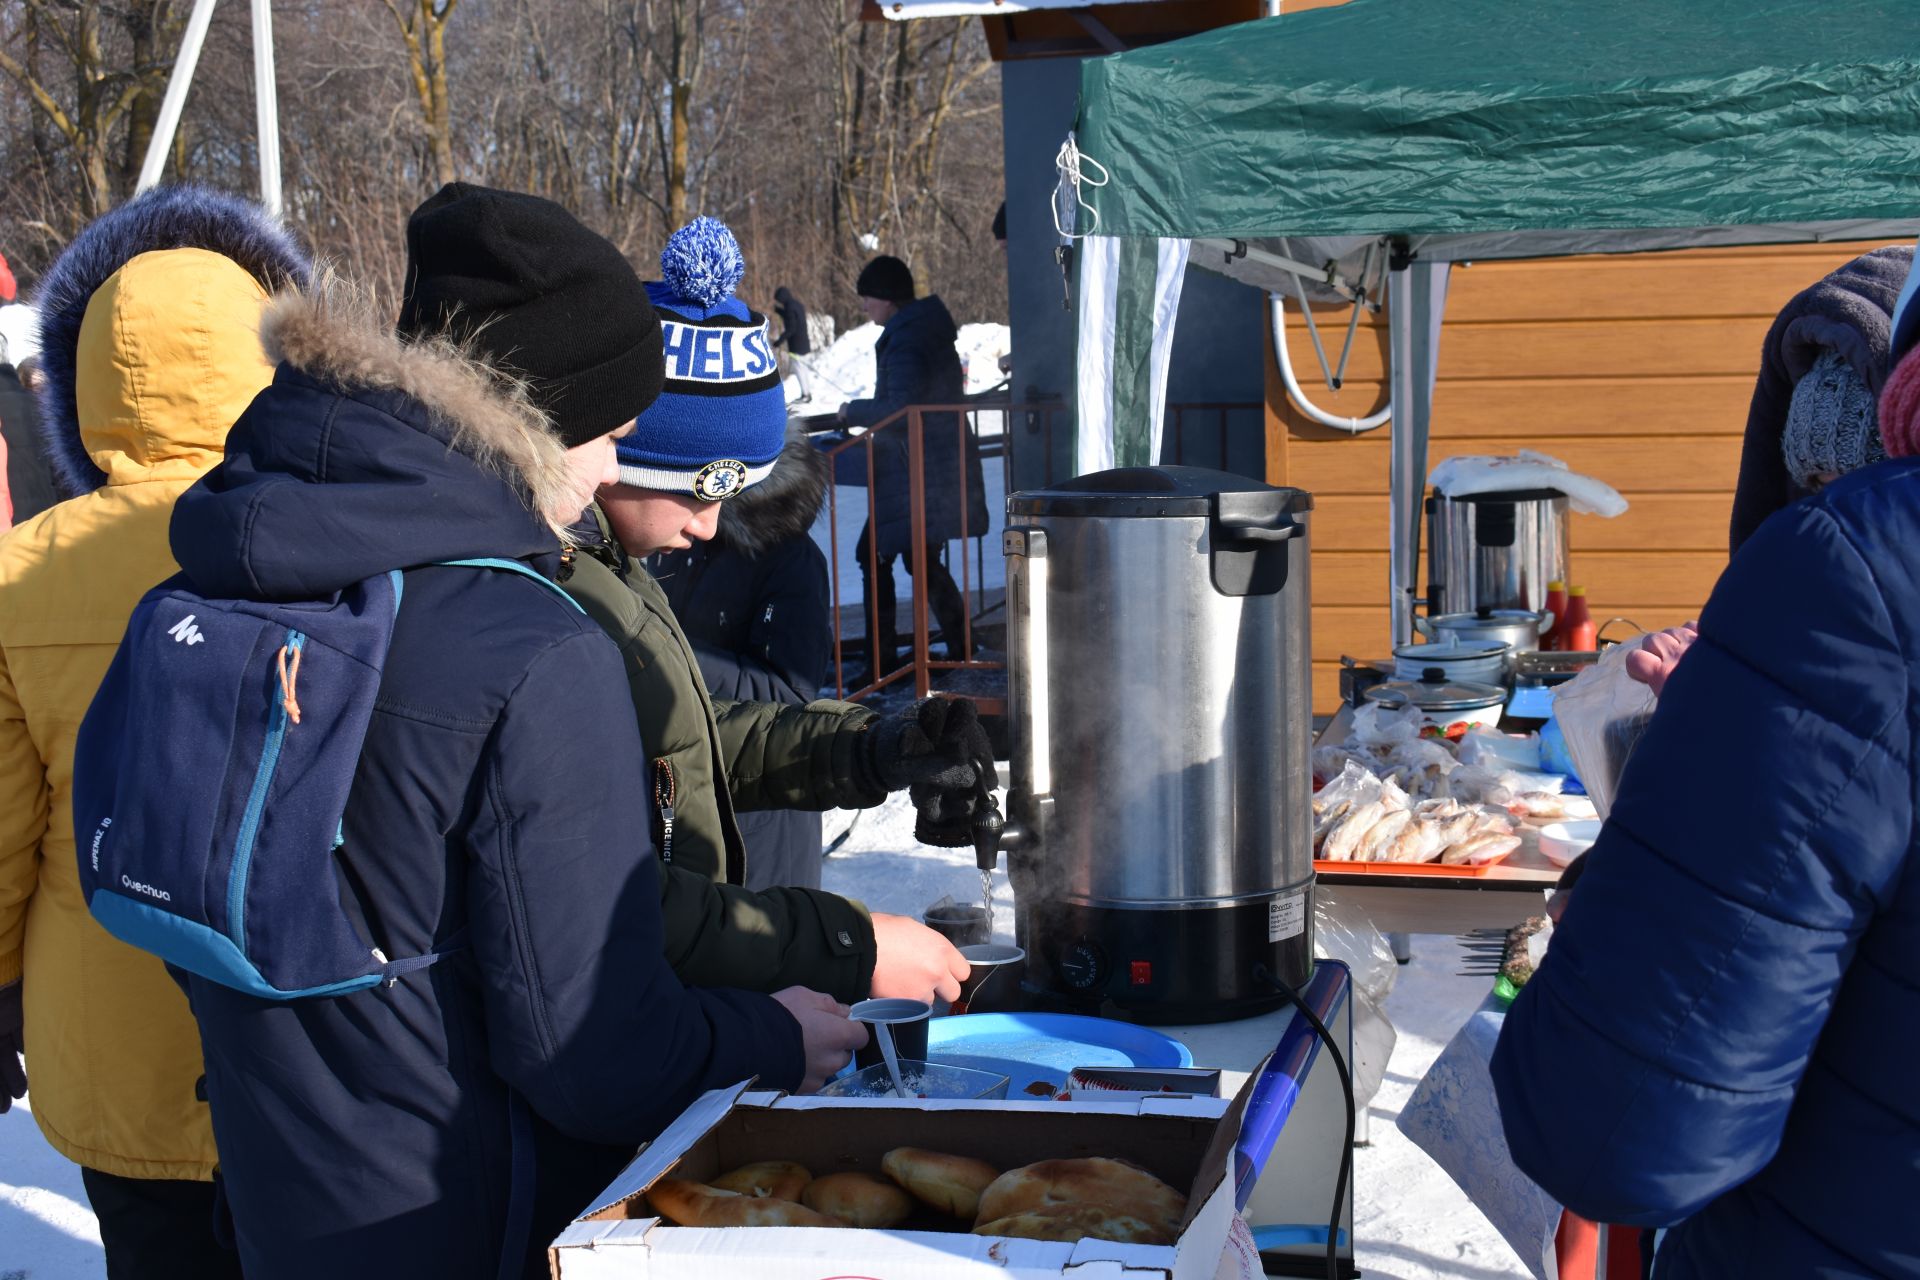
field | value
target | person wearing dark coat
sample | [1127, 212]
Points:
[793, 323]
[29, 479]
[756, 601]
[915, 362]
[1721, 1040]
[451, 1122]
[1841, 324]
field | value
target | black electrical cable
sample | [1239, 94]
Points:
[1262, 974]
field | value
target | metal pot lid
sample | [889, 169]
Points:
[1434, 692]
[1486, 617]
[1156, 491]
[1455, 650]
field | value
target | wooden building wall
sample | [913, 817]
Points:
[1635, 369]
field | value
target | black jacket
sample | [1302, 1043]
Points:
[29, 480]
[757, 604]
[916, 363]
[388, 1132]
[793, 323]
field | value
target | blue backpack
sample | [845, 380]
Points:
[211, 777]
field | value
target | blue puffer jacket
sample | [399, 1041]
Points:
[385, 1133]
[1724, 1035]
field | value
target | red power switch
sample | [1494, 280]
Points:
[1140, 972]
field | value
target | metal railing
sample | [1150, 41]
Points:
[911, 422]
[1033, 419]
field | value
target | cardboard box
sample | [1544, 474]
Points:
[1186, 1141]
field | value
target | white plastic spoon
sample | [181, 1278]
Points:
[885, 1033]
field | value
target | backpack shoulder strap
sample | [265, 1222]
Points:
[514, 566]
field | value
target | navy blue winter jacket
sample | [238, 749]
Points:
[915, 362]
[492, 811]
[1722, 1038]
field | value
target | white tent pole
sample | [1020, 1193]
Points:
[1277, 316]
[169, 120]
[266, 103]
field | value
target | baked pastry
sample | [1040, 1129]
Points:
[859, 1199]
[1113, 1184]
[695, 1204]
[781, 1179]
[1070, 1222]
[951, 1184]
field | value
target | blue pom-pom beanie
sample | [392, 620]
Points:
[721, 420]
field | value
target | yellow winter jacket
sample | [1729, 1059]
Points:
[169, 355]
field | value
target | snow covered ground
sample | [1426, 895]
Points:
[1412, 1223]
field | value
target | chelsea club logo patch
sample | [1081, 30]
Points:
[720, 479]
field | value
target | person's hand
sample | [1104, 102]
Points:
[937, 743]
[13, 1075]
[829, 1036]
[1653, 662]
[913, 962]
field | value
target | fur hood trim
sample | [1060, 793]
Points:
[782, 506]
[179, 217]
[334, 335]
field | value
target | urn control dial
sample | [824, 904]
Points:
[1084, 965]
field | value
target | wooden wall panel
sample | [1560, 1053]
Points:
[1635, 369]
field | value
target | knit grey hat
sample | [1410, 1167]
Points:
[1832, 426]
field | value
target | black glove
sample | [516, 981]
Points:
[937, 743]
[13, 1075]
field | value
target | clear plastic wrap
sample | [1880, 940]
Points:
[1343, 932]
[1602, 713]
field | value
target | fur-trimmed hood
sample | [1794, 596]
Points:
[782, 506]
[368, 453]
[180, 217]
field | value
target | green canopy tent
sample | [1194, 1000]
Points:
[1323, 150]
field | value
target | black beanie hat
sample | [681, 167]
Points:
[539, 295]
[887, 279]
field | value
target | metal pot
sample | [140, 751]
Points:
[1519, 629]
[1495, 550]
[1484, 663]
[1444, 703]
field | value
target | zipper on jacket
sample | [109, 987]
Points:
[277, 720]
[663, 800]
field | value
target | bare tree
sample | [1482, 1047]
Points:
[105, 73]
[423, 27]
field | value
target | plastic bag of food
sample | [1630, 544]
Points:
[1355, 786]
[1384, 728]
[1496, 750]
[1343, 932]
[1602, 712]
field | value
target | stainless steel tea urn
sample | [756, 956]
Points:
[1492, 551]
[1159, 700]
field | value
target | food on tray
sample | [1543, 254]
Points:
[860, 1199]
[695, 1204]
[1113, 1185]
[1360, 817]
[1074, 1222]
[1542, 804]
[951, 1184]
[781, 1179]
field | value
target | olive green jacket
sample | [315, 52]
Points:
[708, 759]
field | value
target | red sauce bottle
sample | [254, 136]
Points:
[1577, 630]
[1557, 606]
